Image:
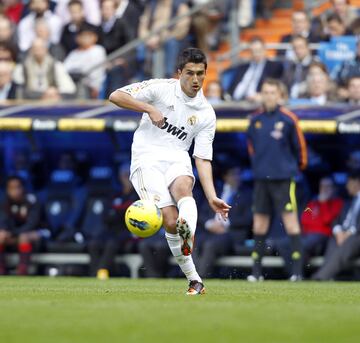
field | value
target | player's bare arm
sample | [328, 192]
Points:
[218, 205]
[125, 100]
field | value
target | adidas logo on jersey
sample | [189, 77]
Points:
[174, 130]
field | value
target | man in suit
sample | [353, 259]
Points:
[296, 70]
[345, 244]
[7, 86]
[249, 77]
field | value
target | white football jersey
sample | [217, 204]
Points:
[186, 119]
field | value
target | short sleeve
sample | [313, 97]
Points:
[143, 91]
[204, 141]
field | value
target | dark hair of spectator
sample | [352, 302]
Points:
[297, 37]
[15, 178]
[274, 82]
[320, 65]
[334, 17]
[191, 55]
[354, 174]
[10, 48]
[75, 2]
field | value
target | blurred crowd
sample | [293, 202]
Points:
[59, 49]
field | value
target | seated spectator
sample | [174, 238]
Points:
[42, 31]
[354, 91]
[26, 28]
[130, 12]
[347, 70]
[80, 62]
[296, 70]
[335, 27]
[214, 93]
[76, 22]
[91, 11]
[20, 215]
[41, 76]
[7, 85]
[114, 34]
[248, 77]
[156, 15]
[316, 221]
[319, 89]
[207, 24]
[13, 9]
[300, 27]
[221, 236]
[7, 31]
[345, 244]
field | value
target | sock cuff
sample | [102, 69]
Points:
[25, 247]
[185, 199]
[172, 235]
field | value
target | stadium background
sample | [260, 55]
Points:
[78, 139]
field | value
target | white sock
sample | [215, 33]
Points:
[188, 211]
[185, 262]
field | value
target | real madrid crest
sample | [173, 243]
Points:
[279, 125]
[192, 120]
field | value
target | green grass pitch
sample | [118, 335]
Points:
[73, 310]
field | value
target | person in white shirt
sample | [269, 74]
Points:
[80, 63]
[175, 112]
[26, 28]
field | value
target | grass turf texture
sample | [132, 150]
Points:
[123, 310]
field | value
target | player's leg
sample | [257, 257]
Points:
[286, 200]
[261, 221]
[181, 190]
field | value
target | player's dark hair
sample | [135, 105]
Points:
[191, 55]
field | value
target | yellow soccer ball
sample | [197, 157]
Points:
[143, 218]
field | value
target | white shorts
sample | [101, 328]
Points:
[152, 182]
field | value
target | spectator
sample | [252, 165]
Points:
[26, 28]
[316, 222]
[80, 62]
[207, 24]
[157, 14]
[115, 238]
[19, 223]
[7, 86]
[13, 9]
[6, 30]
[345, 11]
[41, 76]
[248, 77]
[130, 12]
[335, 27]
[295, 71]
[221, 237]
[347, 69]
[354, 91]
[91, 10]
[42, 31]
[214, 93]
[345, 244]
[301, 26]
[77, 21]
[115, 34]
[319, 90]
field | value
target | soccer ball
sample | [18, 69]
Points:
[143, 218]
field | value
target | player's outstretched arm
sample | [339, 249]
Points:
[204, 169]
[125, 100]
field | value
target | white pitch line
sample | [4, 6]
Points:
[95, 112]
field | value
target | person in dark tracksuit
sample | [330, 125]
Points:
[277, 150]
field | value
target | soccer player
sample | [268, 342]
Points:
[175, 112]
[277, 150]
